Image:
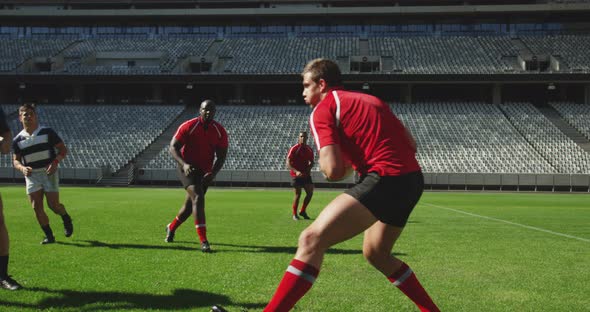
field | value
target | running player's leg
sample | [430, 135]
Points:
[36, 199]
[184, 212]
[58, 208]
[4, 244]
[297, 196]
[344, 218]
[197, 194]
[377, 245]
[6, 281]
[308, 187]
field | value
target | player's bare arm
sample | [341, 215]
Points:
[5, 142]
[221, 155]
[309, 167]
[332, 165]
[62, 151]
[18, 165]
[290, 166]
[175, 147]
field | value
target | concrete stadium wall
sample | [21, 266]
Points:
[579, 182]
[238, 177]
[66, 175]
[467, 181]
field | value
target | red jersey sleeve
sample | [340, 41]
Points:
[223, 139]
[310, 155]
[323, 126]
[290, 153]
[181, 133]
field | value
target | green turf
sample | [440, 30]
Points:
[117, 259]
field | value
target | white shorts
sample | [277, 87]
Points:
[39, 180]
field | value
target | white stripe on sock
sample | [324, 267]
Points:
[295, 271]
[402, 278]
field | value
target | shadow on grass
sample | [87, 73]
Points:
[292, 250]
[241, 248]
[101, 301]
[99, 244]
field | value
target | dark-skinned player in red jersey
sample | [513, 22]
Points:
[200, 148]
[300, 162]
[356, 131]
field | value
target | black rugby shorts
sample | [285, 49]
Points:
[195, 178]
[390, 199]
[301, 181]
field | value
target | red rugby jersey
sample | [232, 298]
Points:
[300, 155]
[371, 137]
[199, 145]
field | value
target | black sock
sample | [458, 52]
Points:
[48, 231]
[66, 218]
[3, 267]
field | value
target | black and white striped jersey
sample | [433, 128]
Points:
[37, 150]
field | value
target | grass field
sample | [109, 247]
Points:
[472, 251]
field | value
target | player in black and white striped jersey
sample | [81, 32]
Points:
[37, 153]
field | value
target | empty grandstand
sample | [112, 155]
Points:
[496, 93]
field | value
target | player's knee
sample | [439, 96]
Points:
[375, 256]
[309, 241]
[57, 208]
[40, 213]
[37, 206]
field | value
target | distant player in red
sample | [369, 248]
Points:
[300, 161]
[356, 130]
[200, 148]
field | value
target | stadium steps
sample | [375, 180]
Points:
[113, 181]
[212, 51]
[523, 49]
[511, 122]
[553, 115]
[364, 47]
[164, 139]
[213, 48]
[123, 177]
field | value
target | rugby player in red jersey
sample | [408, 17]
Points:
[300, 162]
[356, 131]
[200, 148]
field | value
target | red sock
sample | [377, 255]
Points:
[406, 281]
[298, 279]
[174, 224]
[303, 207]
[201, 231]
[294, 208]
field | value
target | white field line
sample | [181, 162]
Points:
[509, 222]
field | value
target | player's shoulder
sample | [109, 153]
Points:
[20, 136]
[45, 130]
[218, 124]
[188, 123]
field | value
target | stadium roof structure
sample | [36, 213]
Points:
[210, 9]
